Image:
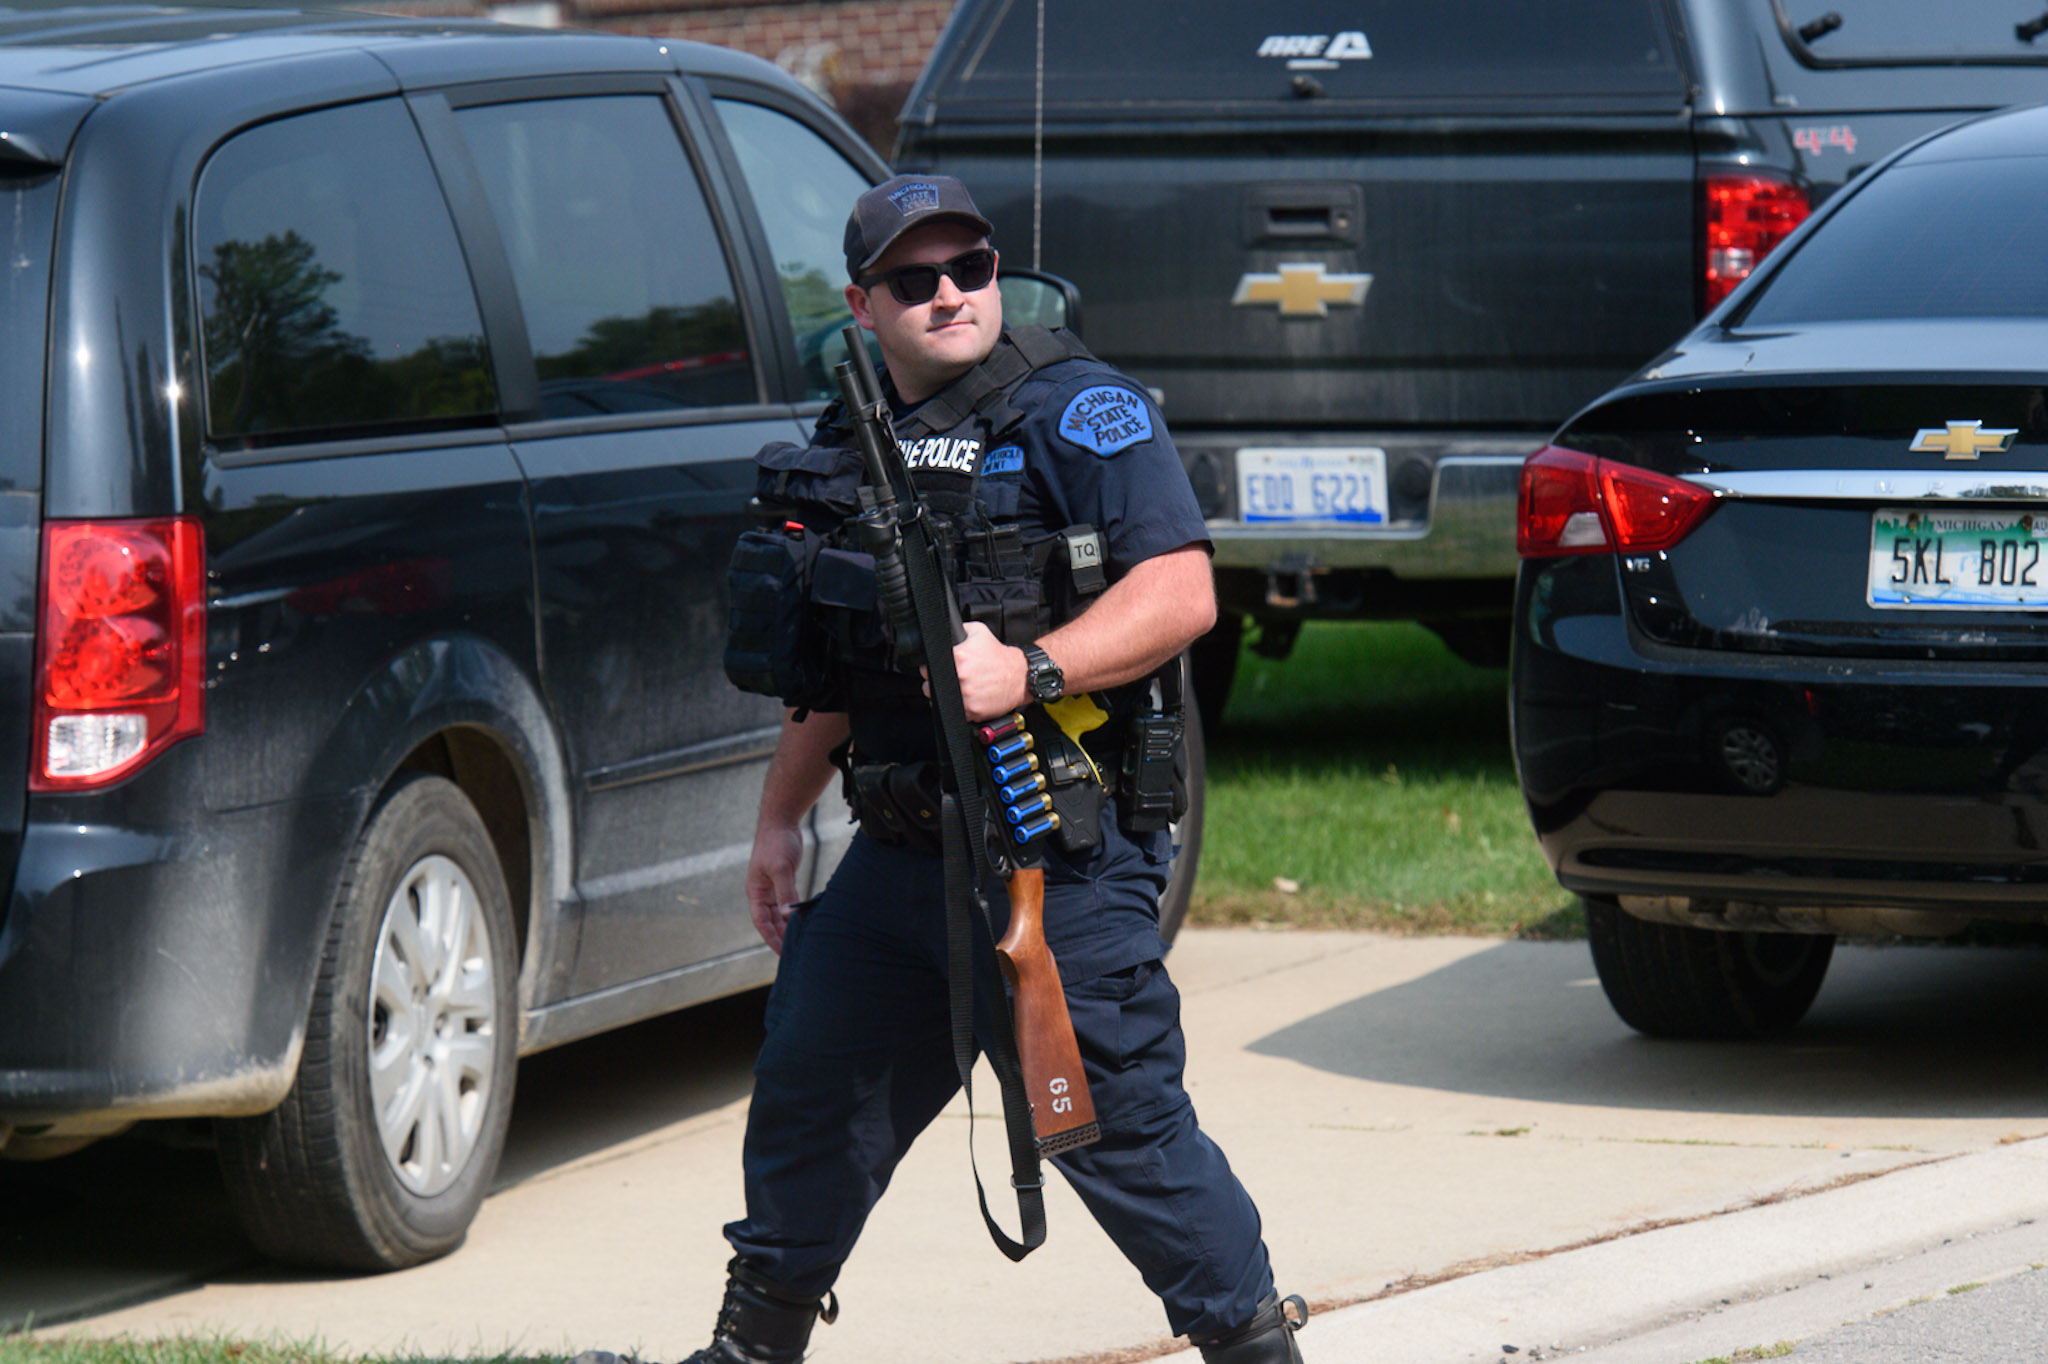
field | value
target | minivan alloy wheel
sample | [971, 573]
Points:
[432, 1021]
[383, 1150]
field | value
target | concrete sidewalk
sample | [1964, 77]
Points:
[1402, 1109]
[1716, 1286]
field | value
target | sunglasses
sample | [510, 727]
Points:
[914, 284]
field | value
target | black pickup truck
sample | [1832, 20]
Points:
[1370, 254]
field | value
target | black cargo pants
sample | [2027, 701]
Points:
[858, 1060]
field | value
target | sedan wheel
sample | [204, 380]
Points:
[383, 1150]
[1672, 981]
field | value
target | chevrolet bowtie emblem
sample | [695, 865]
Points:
[1301, 289]
[1961, 440]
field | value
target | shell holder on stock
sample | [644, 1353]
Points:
[1044, 780]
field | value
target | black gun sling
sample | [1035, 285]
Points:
[961, 816]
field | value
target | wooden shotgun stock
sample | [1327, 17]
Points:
[1062, 1113]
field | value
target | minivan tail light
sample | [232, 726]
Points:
[120, 656]
[1574, 503]
[1745, 215]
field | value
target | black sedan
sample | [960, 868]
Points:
[1781, 638]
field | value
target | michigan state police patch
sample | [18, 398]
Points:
[1106, 419]
[915, 198]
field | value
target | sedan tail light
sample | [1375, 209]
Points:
[121, 654]
[1574, 503]
[1745, 216]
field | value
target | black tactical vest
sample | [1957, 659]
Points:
[806, 625]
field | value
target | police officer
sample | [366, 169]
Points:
[1024, 435]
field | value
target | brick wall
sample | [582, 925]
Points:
[871, 42]
[861, 55]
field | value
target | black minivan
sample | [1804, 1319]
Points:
[377, 400]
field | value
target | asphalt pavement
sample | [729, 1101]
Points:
[1455, 1145]
[2002, 1320]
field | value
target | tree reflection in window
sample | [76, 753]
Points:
[622, 279]
[334, 300]
[691, 356]
[803, 189]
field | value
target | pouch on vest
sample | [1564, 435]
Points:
[818, 485]
[994, 582]
[776, 645]
[773, 645]
[849, 608]
[896, 803]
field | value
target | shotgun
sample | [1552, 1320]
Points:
[991, 765]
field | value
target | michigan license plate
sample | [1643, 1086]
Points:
[1982, 559]
[1319, 483]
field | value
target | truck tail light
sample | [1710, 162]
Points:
[1573, 503]
[1745, 215]
[121, 653]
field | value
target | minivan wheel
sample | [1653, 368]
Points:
[1672, 981]
[383, 1150]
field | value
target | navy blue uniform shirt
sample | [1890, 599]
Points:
[1093, 450]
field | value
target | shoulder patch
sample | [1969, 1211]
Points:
[1106, 418]
[1006, 460]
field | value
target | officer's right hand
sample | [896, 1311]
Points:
[991, 674]
[771, 882]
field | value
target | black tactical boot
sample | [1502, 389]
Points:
[1267, 1339]
[762, 1323]
[759, 1323]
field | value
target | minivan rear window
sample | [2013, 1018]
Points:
[1224, 50]
[335, 298]
[1892, 252]
[1910, 32]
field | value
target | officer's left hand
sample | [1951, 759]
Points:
[992, 674]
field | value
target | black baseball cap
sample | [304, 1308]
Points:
[895, 206]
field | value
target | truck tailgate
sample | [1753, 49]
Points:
[1464, 271]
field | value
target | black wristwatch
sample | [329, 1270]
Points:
[1042, 677]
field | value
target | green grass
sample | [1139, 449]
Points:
[1754, 1352]
[1371, 770]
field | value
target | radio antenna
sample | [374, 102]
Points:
[1038, 141]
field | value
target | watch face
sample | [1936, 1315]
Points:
[1044, 677]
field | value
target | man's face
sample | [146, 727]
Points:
[928, 345]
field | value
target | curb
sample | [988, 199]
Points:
[1605, 1293]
